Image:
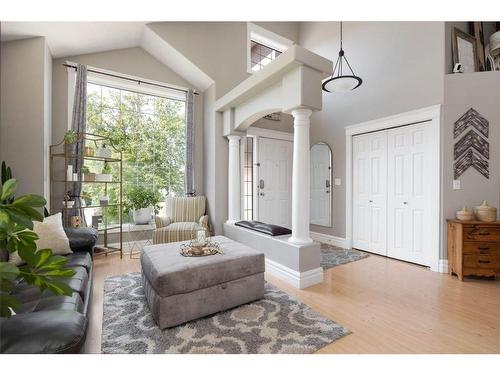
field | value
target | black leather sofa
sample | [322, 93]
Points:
[47, 323]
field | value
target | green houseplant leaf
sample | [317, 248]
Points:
[42, 269]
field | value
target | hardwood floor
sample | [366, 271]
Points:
[390, 307]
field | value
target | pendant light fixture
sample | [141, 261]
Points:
[340, 82]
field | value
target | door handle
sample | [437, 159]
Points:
[262, 194]
[327, 185]
[328, 192]
[261, 184]
[370, 201]
[405, 202]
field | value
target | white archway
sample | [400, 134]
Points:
[290, 84]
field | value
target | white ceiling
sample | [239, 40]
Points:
[77, 38]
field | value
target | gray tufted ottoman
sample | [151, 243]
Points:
[179, 289]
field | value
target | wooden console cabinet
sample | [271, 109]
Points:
[473, 248]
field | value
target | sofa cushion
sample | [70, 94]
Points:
[78, 282]
[79, 260]
[82, 239]
[48, 301]
[271, 229]
[170, 273]
[43, 332]
[181, 231]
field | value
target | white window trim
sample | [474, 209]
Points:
[265, 37]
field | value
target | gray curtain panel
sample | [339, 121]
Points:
[79, 126]
[189, 177]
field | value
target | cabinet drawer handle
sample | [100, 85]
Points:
[484, 233]
[484, 261]
[483, 248]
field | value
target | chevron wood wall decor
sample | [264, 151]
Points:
[472, 149]
[474, 140]
[471, 158]
[468, 119]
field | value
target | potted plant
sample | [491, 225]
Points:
[87, 198]
[87, 175]
[68, 202]
[105, 175]
[70, 137]
[41, 268]
[142, 202]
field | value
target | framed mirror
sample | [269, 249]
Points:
[321, 185]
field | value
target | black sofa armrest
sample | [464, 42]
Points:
[82, 239]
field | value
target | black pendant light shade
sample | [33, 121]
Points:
[340, 82]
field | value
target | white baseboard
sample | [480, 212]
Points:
[329, 239]
[297, 279]
[443, 266]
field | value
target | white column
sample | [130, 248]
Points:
[234, 195]
[300, 177]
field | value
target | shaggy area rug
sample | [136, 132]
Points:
[332, 256]
[275, 324]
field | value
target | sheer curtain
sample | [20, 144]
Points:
[79, 125]
[189, 175]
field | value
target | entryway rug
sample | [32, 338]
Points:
[275, 324]
[333, 256]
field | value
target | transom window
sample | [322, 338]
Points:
[261, 55]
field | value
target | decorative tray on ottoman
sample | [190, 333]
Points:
[200, 247]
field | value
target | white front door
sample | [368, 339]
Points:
[320, 186]
[370, 192]
[408, 191]
[274, 184]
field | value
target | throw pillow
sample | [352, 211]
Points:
[51, 235]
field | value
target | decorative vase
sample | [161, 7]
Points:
[465, 214]
[142, 216]
[484, 212]
[68, 204]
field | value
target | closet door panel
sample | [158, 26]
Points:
[378, 192]
[370, 192]
[408, 214]
[361, 192]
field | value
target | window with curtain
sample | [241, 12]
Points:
[150, 130]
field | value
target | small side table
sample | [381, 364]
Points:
[139, 235]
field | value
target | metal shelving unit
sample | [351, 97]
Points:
[60, 158]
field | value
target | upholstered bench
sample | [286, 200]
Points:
[179, 289]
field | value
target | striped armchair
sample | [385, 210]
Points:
[181, 219]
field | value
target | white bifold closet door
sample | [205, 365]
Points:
[391, 214]
[408, 211]
[370, 192]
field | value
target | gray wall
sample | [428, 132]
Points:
[24, 111]
[401, 64]
[131, 61]
[220, 50]
[480, 91]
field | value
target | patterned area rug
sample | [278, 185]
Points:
[332, 256]
[275, 324]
